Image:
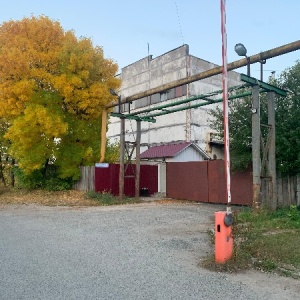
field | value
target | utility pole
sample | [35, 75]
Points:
[137, 159]
[256, 163]
[103, 135]
[122, 151]
[271, 151]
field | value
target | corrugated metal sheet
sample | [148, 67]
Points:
[187, 180]
[107, 179]
[204, 181]
[171, 150]
[217, 182]
[242, 188]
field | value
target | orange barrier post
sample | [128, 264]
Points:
[223, 238]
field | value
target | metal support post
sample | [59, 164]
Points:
[262, 62]
[248, 66]
[103, 136]
[256, 163]
[122, 151]
[271, 152]
[138, 159]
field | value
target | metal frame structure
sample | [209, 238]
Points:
[257, 87]
[256, 58]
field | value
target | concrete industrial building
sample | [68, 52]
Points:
[190, 125]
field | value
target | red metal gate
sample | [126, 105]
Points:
[205, 181]
[107, 179]
[187, 180]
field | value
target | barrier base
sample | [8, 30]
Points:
[223, 239]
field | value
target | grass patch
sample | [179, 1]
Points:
[105, 198]
[269, 241]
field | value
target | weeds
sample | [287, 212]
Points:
[269, 241]
[106, 198]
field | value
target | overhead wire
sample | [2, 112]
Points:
[179, 22]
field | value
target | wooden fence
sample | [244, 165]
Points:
[87, 179]
[288, 191]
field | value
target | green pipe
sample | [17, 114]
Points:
[198, 97]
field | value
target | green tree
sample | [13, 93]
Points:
[53, 88]
[287, 111]
[5, 167]
[288, 122]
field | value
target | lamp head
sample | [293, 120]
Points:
[113, 92]
[240, 49]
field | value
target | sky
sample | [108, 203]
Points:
[129, 30]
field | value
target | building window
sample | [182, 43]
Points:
[180, 91]
[164, 96]
[169, 94]
[155, 98]
[141, 102]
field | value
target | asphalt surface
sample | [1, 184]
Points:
[144, 251]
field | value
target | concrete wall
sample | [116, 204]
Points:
[162, 178]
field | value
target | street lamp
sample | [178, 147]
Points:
[122, 146]
[113, 92]
[241, 50]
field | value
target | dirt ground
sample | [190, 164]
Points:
[168, 238]
[49, 198]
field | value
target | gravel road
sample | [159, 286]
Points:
[142, 251]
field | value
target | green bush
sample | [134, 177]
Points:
[46, 178]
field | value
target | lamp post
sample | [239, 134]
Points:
[262, 62]
[113, 92]
[241, 50]
[122, 147]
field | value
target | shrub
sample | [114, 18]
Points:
[46, 178]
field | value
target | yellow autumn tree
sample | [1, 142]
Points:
[53, 88]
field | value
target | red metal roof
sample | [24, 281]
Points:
[169, 150]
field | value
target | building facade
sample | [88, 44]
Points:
[191, 125]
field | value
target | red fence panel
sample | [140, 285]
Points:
[149, 178]
[217, 181]
[107, 179]
[205, 181]
[242, 188]
[187, 180]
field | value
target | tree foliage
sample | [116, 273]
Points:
[53, 88]
[287, 111]
[288, 122]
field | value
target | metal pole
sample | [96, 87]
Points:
[138, 158]
[262, 62]
[225, 105]
[271, 154]
[248, 66]
[122, 152]
[256, 163]
[103, 136]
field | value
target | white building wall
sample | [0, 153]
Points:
[145, 74]
[188, 154]
[162, 178]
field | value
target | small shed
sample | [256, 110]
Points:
[175, 152]
[178, 152]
